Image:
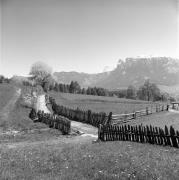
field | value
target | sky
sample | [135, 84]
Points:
[84, 35]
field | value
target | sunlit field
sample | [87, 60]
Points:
[100, 103]
[159, 120]
[67, 159]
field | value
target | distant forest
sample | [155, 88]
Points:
[148, 91]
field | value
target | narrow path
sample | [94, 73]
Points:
[10, 105]
[41, 104]
[84, 129]
[81, 128]
[4, 113]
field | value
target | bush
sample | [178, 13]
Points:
[33, 114]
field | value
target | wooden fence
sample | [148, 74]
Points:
[142, 134]
[88, 117]
[54, 121]
[124, 118]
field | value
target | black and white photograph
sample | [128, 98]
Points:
[89, 89]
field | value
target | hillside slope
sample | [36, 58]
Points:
[83, 79]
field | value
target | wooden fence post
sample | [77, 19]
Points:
[156, 108]
[89, 117]
[145, 135]
[152, 134]
[140, 134]
[129, 132]
[100, 132]
[173, 137]
[109, 118]
[177, 133]
[167, 107]
[147, 110]
[167, 136]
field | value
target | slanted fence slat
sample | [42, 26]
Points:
[142, 134]
[93, 118]
[54, 121]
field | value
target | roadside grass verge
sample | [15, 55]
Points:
[99, 103]
[67, 159]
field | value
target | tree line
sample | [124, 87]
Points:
[42, 75]
[75, 88]
[4, 79]
[148, 91]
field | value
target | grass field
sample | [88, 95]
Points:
[99, 103]
[37, 152]
[67, 159]
[161, 119]
[6, 93]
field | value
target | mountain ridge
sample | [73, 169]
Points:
[132, 71]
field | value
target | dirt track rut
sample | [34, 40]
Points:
[4, 113]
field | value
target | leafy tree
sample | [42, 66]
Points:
[88, 91]
[65, 90]
[68, 88]
[1, 78]
[41, 73]
[47, 83]
[51, 87]
[74, 87]
[149, 91]
[83, 91]
[131, 92]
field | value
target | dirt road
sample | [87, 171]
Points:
[41, 104]
[84, 129]
[80, 128]
[4, 113]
